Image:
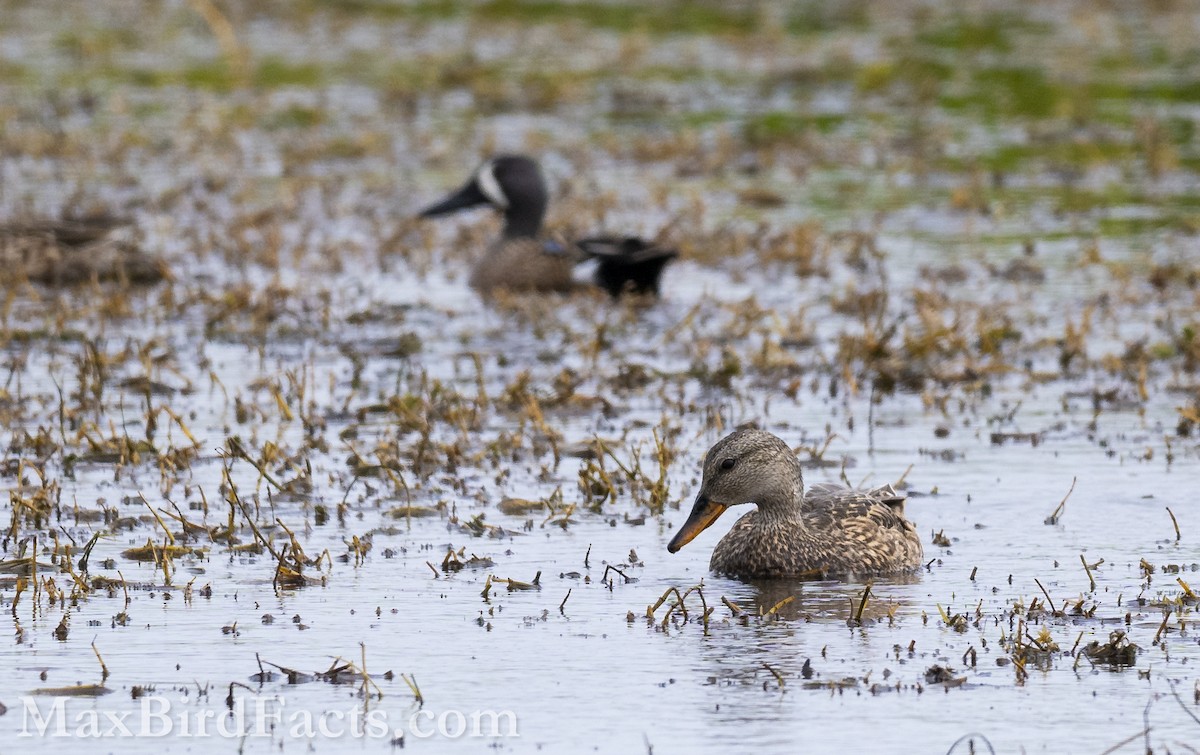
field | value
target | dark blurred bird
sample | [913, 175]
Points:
[522, 260]
[69, 252]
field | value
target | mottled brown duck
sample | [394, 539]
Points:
[828, 530]
[70, 252]
[523, 260]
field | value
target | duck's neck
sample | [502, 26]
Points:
[785, 500]
[523, 222]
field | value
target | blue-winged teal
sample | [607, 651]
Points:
[521, 260]
[74, 251]
[828, 530]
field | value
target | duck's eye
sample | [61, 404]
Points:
[728, 464]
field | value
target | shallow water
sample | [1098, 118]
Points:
[297, 279]
[586, 677]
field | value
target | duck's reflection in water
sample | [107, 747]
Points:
[788, 634]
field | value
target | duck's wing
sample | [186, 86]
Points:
[871, 529]
[833, 506]
[627, 263]
[560, 250]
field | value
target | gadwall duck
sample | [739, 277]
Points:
[828, 530]
[521, 260]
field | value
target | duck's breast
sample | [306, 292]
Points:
[523, 265]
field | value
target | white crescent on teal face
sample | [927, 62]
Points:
[486, 180]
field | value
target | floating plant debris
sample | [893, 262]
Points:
[1117, 651]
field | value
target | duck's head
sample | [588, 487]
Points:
[512, 184]
[747, 466]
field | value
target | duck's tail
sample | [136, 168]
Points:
[627, 264]
[890, 497]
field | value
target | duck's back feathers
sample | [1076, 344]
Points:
[842, 498]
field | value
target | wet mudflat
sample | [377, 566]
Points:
[950, 249]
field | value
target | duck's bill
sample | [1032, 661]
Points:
[467, 196]
[704, 513]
